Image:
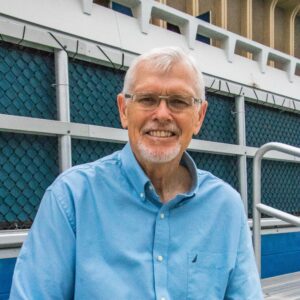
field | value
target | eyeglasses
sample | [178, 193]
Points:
[175, 103]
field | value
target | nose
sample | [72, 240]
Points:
[162, 112]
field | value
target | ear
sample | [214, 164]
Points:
[200, 117]
[122, 105]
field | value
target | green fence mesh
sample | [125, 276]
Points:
[280, 185]
[28, 164]
[26, 82]
[266, 124]
[219, 124]
[84, 151]
[93, 91]
[222, 166]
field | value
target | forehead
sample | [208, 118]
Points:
[178, 78]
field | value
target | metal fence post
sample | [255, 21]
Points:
[256, 215]
[63, 107]
[242, 159]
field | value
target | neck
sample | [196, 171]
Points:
[169, 179]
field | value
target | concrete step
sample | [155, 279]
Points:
[283, 287]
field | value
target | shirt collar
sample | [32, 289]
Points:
[139, 179]
[188, 162]
[133, 170]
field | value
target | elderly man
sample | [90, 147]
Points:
[144, 222]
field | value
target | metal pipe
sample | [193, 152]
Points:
[241, 139]
[273, 212]
[63, 107]
[12, 239]
[257, 191]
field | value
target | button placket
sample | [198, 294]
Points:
[160, 248]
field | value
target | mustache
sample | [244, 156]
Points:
[165, 126]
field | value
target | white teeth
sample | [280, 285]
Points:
[160, 133]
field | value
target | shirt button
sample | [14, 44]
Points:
[142, 195]
[151, 187]
[162, 215]
[160, 258]
[163, 298]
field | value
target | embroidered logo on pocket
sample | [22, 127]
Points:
[207, 275]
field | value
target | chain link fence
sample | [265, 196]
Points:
[280, 185]
[29, 163]
[219, 124]
[93, 93]
[266, 124]
[222, 166]
[280, 180]
[84, 151]
[27, 81]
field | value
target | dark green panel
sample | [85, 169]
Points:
[26, 82]
[222, 166]
[280, 185]
[84, 151]
[93, 93]
[28, 165]
[219, 124]
[266, 124]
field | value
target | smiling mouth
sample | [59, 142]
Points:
[160, 133]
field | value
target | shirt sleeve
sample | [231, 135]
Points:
[45, 266]
[244, 282]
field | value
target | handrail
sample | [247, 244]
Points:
[276, 213]
[12, 238]
[257, 206]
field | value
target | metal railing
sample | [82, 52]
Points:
[258, 207]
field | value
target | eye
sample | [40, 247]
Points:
[146, 100]
[179, 102]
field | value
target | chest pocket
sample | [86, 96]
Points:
[207, 275]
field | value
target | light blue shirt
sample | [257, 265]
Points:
[102, 233]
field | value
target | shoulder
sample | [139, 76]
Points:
[78, 177]
[76, 185]
[218, 191]
[206, 178]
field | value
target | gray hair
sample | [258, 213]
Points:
[163, 59]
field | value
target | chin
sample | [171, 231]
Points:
[156, 155]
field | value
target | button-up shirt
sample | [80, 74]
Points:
[102, 232]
